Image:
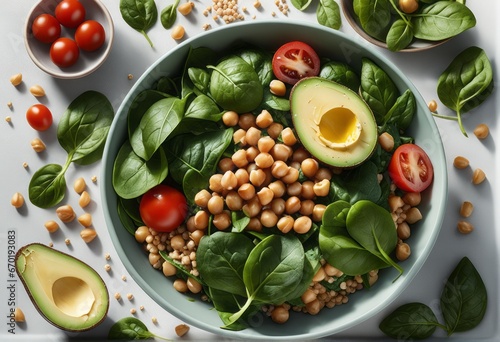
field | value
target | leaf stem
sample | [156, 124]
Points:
[403, 16]
[462, 129]
[446, 117]
[147, 37]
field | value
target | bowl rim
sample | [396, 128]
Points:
[372, 311]
[347, 8]
[76, 74]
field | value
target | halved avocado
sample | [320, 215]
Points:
[333, 122]
[66, 291]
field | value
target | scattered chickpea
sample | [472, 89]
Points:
[386, 141]
[37, 145]
[79, 185]
[118, 296]
[408, 6]
[133, 311]
[124, 278]
[67, 242]
[403, 251]
[460, 162]
[186, 8]
[181, 330]
[277, 88]
[481, 131]
[94, 179]
[141, 307]
[85, 220]
[432, 106]
[9, 104]
[25, 165]
[257, 4]
[107, 256]
[16, 79]
[51, 226]
[19, 315]
[130, 76]
[478, 176]
[130, 296]
[178, 32]
[65, 213]
[37, 91]
[88, 235]
[466, 209]
[84, 199]
[154, 320]
[17, 200]
[465, 227]
[107, 268]
[8, 119]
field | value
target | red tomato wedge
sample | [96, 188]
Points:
[411, 168]
[294, 61]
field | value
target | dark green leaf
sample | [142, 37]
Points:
[301, 4]
[374, 16]
[141, 15]
[139, 106]
[328, 14]
[400, 35]
[401, 113]
[168, 15]
[47, 186]
[412, 321]
[341, 73]
[129, 328]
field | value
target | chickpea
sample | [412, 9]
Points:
[318, 211]
[386, 141]
[141, 233]
[265, 195]
[242, 176]
[278, 188]
[177, 242]
[481, 131]
[302, 224]
[408, 6]
[215, 183]
[313, 307]
[233, 201]
[180, 285]
[197, 235]
[193, 285]
[239, 136]
[291, 176]
[281, 152]
[288, 136]
[412, 198]
[178, 32]
[265, 144]
[254, 225]
[274, 130]
[168, 269]
[280, 315]
[222, 221]
[246, 121]
[277, 88]
[229, 180]
[292, 205]
[246, 191]
[268, 218]
[309, 167]
[230, 118]
[403, 231]
[201, 219]
[279, 169]
[257, 177]
[322, 188]
[201, 198]
[323, 173]
[278, 206]
[253, 135]
[433, 106]
[264, 119]
[307, 191]
[264, 160]
[403, 251]
[285, 224]
[307, 207]
[252, 208]
[294, 189]
[226, 164]
[300, 154]
[308, 296]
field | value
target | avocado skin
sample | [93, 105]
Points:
[104, 290]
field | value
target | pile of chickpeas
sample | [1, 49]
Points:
[276, 183]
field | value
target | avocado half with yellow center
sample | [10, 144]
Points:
[66, 291]
[333, 122]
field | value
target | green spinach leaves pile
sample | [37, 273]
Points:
[463, 304]
[82, 132]
[327, 11]
[434, 20]
[176, 136]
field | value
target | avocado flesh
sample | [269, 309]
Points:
[333, 122]
[66, 291]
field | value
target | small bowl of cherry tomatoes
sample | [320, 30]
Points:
[69, 39]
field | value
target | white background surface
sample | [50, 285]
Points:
[131, 54]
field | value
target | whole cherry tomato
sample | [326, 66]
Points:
[163, 208]
[295, 60]
[64, 52]
[90, 35]
[39, 117]
[70, 13]
[46, 28]
[411, 168]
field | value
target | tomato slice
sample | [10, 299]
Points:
[294, 61]
[411, 168]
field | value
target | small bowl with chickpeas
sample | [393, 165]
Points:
[407, 25]
[225, 219]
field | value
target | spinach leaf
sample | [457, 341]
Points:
[204, 108]
[85, 124]
[239, 220]
[401, 113]
[442, 20]
[197, 58]
[341, 73]
[273, 102]
[126, 221]
[261, 62]
[377, 89]
[48, 186]
[221, 258]
[328, 14]
[373, 228]
[466, 82]
[357, 184]
[169, 14]
[139, 106]
[156, 125]
[200, 78]
[235, 85]
[374, 16]
[133, 176]
[129, 328]
[301, 4]
[141, 15]
[464, 298]
[400, 35]
[412, 321]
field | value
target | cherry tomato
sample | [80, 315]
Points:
[70, 13]
[410, 168]
[163, 208]
[39, 117]
[90, 35]
[295, 60]
[64, 52]
[46, 28]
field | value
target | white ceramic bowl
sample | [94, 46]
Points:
[88, 62]
[363, 304]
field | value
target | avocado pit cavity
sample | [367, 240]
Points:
[73, 296]
[339, 128]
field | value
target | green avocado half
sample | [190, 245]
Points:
[333, 122]
[67, 292]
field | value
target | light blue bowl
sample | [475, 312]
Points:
[363, 304]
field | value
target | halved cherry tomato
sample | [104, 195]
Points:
[411, 168]
[163, 208]
[294, 61]
[70, 13]
[64, 52]
[39, 117]
[46, 28]
[90, 35]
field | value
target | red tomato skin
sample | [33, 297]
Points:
[163, 208]
[90, 35]
[46, 28]
[64, 52]
[410, 168]
[294, 61]
[39, 117]
[70, 13]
